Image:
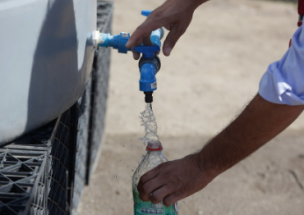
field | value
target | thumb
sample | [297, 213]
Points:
[175, 33]
[141, 33]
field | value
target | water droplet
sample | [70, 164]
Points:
[115, 176]
[132, 170]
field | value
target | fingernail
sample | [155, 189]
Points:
[135, 55]
[167, 50]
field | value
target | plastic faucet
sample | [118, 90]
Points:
[149, 64]
[117, 41]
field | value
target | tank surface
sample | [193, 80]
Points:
[45, 60]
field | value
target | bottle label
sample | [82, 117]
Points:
[145, 208]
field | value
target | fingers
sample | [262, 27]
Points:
[171, 199]
[149, 175]
[148, 183]
[176, 32]
[146, 42]
[143, 31]
[159, 194]
[148, 188]
[136, 55]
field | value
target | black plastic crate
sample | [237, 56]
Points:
[50, 185]
[23, 180]
[104, 15]
[99, 89]
[81, 150]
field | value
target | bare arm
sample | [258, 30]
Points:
[255, 126]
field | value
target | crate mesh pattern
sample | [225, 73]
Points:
[81, 153]
[22, 179]
[39, 164]
[99, 92]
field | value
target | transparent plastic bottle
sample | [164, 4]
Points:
[152, 159]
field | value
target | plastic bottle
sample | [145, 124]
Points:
[152, 159]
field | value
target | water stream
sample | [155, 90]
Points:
[150, 125]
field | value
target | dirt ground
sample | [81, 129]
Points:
[210, 76]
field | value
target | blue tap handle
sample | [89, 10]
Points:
[146, 12]
[147, 51]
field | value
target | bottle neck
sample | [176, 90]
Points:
[154, 147]
[154, 152]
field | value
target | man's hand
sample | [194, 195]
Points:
[172, 181]
[174, 15]
[255, 126]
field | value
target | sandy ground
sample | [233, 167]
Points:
[211, 75]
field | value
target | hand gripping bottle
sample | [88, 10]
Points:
[152, 159]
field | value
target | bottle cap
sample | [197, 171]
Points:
[157, 146]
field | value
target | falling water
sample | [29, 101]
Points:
[149, 122]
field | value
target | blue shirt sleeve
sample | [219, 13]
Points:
[283, 82]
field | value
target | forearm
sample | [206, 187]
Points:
[255, 126]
